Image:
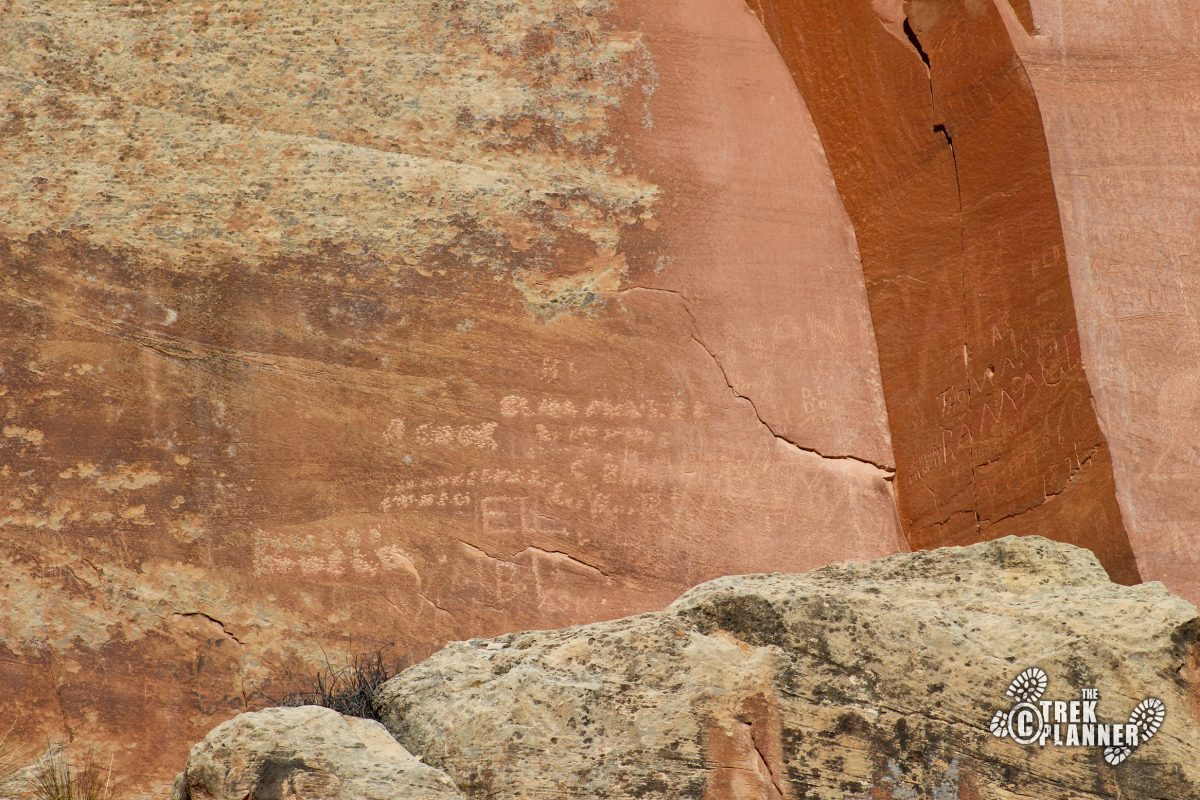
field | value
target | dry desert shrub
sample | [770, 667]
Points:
[12, 759]
[59, 778]
[348, 690]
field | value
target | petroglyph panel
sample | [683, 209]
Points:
[1120, 96]
[938, 149]
[325, 328]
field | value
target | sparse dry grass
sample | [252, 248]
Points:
[349, 690]
[12, 759]
[59, 778]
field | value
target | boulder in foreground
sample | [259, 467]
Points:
[307, 752]
[893, 679]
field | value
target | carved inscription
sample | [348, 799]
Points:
[330, 553]
[979, 417]
[614, 452]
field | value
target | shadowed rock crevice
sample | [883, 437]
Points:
[208, 617]
[916, 43]
[936, 143]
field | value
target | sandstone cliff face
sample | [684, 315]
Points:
[936, 141]
[871, 681]
[474, 316]
[1118, 92]
[469, 317]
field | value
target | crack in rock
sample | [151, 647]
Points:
[560, 555]
[889, 472]
[210, 618]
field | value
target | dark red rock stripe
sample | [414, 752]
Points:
[935, 139]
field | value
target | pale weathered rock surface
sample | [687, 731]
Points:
[477, 315]
[306, 752]
[464, 316]
[853, 681]
[1119, 92]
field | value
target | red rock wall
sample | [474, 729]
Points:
[934, 135]
[1119, 92]
[321, 332]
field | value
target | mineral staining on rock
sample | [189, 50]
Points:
[865, 681]
[202, 135]
[466, 316]
[1118, 95]
[935, 137]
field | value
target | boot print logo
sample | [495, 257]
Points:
[1072, 723]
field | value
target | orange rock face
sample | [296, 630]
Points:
[934, 135]
[415, 321]
[1120, 119]
[322, 332]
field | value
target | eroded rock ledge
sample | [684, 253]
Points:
[866, 680]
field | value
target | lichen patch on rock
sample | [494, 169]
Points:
[868, 681]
